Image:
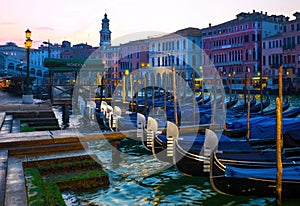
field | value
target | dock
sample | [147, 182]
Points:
[39, 147]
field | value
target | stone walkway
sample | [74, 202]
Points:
[3, 167]
[15, 193]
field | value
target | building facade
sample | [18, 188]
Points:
[235, 47]
[181, 49]
[291, 52]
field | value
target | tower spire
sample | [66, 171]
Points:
[105, 33]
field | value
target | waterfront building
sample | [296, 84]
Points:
[12, 51]
[181, 49]
[235, 47]
[13, 62]
[291, 52]
[110, 57]
[134, 55]
[82, 51]
[272, 59]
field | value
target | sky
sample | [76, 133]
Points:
[79, 21]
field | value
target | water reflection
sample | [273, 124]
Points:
[139, 179]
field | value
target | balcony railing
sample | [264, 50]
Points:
[229, 46]
[228, 63]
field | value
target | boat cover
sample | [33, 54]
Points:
[288, 173]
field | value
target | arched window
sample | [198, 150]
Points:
[11, 66]
[39, 73]
[32, 71]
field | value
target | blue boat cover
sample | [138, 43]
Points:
[265, 127]
[288, 173]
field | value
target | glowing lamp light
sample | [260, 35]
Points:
[27, 34]
[28, 43]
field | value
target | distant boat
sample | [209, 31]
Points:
[260, 106]
[243, 106]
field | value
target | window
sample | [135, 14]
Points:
[284, 28]
[264, 45]
[298, 27]
[298, 40]
[246, 26]
[194, 44]
[246, 38]
[253, 37]
[292, 27]
[293, 42]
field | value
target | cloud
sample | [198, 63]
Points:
[44, 28]
[7, 23]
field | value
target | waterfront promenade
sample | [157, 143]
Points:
[17, 148]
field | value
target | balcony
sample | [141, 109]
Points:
[289, 65]
[229, 46]
[228, 63]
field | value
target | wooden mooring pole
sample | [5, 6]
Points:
[279, 140]
[248, 105]
[174, 92]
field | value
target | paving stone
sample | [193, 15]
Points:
[3, 167]
[15, 192]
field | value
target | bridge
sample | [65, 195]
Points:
[14, 67]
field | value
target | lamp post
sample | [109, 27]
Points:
[230, 86]
[21, 66]
[48, 43]
[28, 97]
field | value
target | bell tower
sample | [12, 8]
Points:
[105, 33]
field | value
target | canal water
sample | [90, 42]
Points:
[140, 179]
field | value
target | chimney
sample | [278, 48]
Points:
[209, 25]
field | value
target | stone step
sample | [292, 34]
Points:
[2, 118]
[47, 149]
[3, 172]
[7, 124]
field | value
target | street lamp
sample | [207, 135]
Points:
[230, 86]
[21, 66]
[28, 97]
[48, 43]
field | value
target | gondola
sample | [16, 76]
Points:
[260, 106]
[272, 112]
[204, 100]
[190, 153]
[232, 103]
[251, 180]
[243, 106]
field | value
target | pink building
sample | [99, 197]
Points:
[235, 47]
[291, 52]
[134, 55]
[272, 59]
